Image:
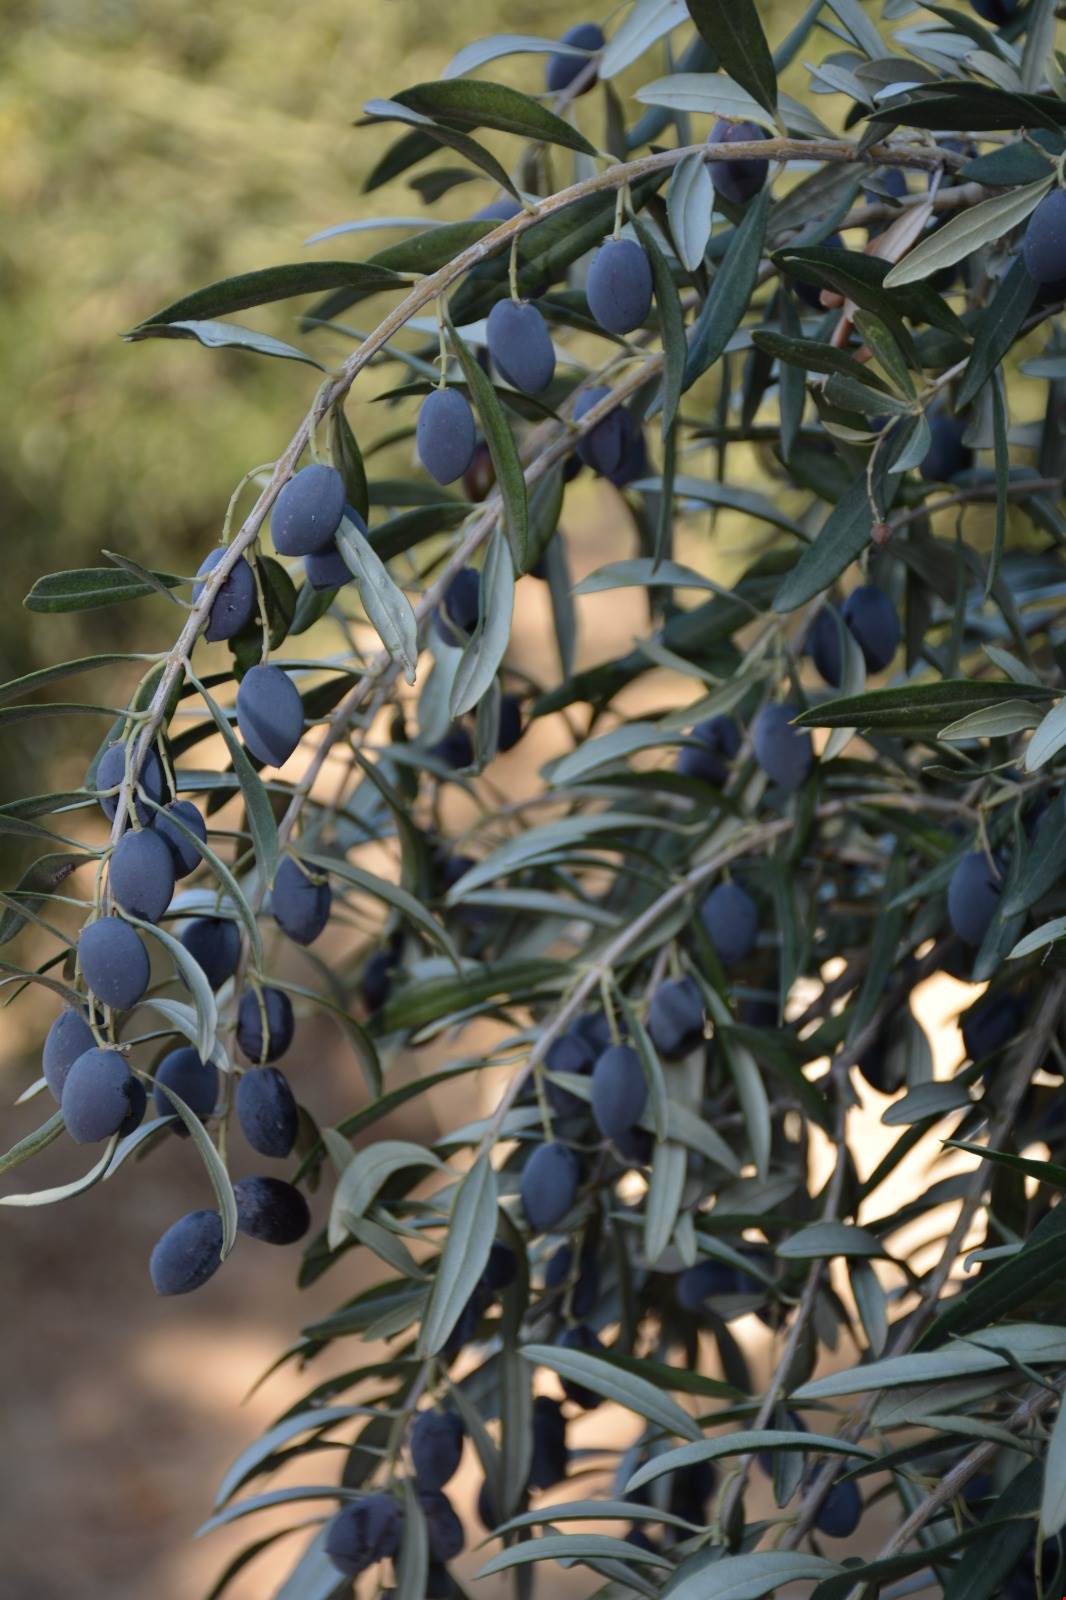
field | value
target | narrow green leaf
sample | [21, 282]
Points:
[216, 1167]
[1029, 1342]
[1044, 863]
[663, 1202]
[39, 1139]
[261, 822]
[428, 251]
[1037, 53]
[1001, 459]
[923, 707]
[827, 1239]
[365, 1175]
[860, 27]
[65, 1191]
[843, 537]
[739, 1443]
[997, 328]
[813, 355]
[538, 843]
[754, 1102]
[504, 453]
[627, 1388]
[482, 51]
[1048, 740]
[486, 646]
[592, 1511]
[993, 722]
[711, 94]
[1040, 938]
[412, 1564]
[641, 573]
[259, 1455]
[727, 299]
[425, 136]
[344, 448]
[961, 235]
[466, 103]
[87, 588]
[572, 1547]
[671, 327]
[193, 973]
[733, 30]
[384, 602]
[267, 285]
[471, 1231]
[18, 687]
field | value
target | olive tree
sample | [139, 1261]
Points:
[696, 934]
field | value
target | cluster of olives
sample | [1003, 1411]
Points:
[88, 1074]
[369, 1529]
[619, 292]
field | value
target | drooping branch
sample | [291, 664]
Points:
[424, 293]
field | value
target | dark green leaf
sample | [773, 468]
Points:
[269, 284]
[1044, 863]
[504, 453]
[671, 327]
[727, 300]
[1003, 1290]
[426, 252]
[861, 278]
[844, 536]
[216, 1167]
[420, 144]
[814, 355]
[408, 529]
[344, 448]
[914, 707]
[85, 588]
[474, 103]
[946, 106]
[733, 30]
[997, 328]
